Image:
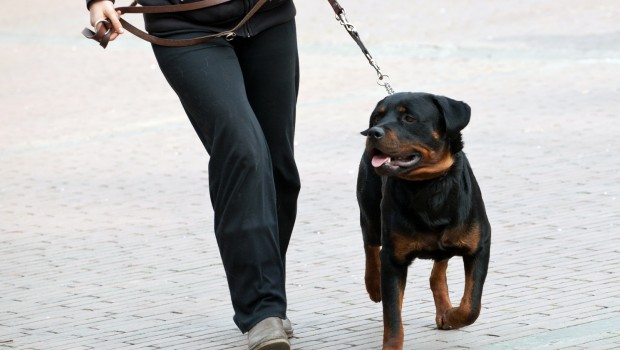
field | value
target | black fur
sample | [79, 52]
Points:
[431, 207]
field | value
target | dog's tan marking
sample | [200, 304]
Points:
[390, 143]
[391, 140]
[464, 237]
[432, 165]
[372, 276]
[465, 314]
[439, 286]
[435, 135]
[405, 245]
[402, 109]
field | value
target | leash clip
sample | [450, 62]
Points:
[344, 21]
[384, 80]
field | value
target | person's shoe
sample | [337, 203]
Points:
[268, 334]
[288, 327]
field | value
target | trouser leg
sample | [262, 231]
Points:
[209, 82]
[270, 67]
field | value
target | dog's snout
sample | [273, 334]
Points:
[376, 133]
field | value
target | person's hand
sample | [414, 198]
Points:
[102, 9]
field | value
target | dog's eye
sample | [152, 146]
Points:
[408, 118]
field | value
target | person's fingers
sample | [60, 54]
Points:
[113, 16]
[98, 11]
[94, 18]
[104, 10]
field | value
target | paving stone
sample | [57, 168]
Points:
[106, 227]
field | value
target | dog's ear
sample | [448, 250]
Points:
[456, 114]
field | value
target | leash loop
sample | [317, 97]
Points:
[341, 17]
[101, 34]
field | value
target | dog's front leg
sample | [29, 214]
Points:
[393, 281]
[468, 311]
[439, 286]
[369, 201]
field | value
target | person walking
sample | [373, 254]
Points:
[240, 96]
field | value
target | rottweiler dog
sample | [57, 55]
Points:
[418, 198]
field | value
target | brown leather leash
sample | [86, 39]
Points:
[103, 33]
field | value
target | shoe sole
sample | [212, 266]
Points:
[275, 344]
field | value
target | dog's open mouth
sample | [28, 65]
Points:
[382, 160]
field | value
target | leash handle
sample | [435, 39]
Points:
[100, 35]
[341, 17]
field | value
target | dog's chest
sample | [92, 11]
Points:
[460, 240]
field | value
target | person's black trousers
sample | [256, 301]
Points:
[240, 96]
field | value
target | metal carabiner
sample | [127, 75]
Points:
[384, 80]
[106, 24]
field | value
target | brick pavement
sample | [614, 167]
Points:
[105, 220]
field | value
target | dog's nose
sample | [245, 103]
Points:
[376, 133]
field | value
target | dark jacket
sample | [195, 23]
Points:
[217, 18]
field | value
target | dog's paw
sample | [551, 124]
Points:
[441, 324]
[373, 285]
[455, 318]
[376, 297]
[443, 321]
[374, 293]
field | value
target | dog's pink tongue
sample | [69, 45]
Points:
[379, 160]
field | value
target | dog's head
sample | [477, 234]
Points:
[414, 136]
